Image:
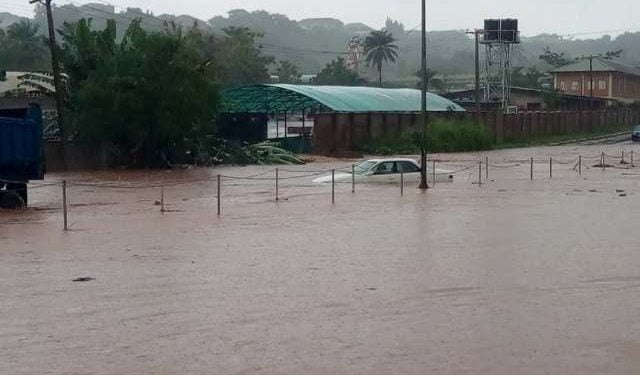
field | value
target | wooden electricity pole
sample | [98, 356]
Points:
[57, 79]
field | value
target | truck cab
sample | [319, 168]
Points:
[21, 151]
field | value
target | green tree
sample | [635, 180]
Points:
[529, 79]
[150, 97]
[22, 48]
[336, 73]
[554, 59]
[288, 72]
[430, 78]
[239, 58]
[379, 48]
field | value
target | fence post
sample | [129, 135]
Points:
[401, 184]
[480, 173]
[531, 169]
[333, 186]
[277, 185]
[353, 178]
[219, 193]
[580, 165]
[64, 203]
[433, 172]
[603, 160]
[486, 165]
[622, 160]
[162, 198]
[632, 159]
[551, 168]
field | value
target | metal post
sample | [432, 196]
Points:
[580, 165]
[162, 198]
[285, 124]
[64, 203]
[486, 166]
[277, 185]
[551, 168]
[353, 178]
[219, 193]
[632, 159]
[603, 160]
[424, 115]
[401, 184]
[622, 161]
[480, 173]
[531, 169]
[333, 186]
[433, 172]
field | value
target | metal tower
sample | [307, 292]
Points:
[500, 35]
[355, 53]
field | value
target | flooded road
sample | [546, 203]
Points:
[511, 277]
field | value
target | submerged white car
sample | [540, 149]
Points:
[389, 171]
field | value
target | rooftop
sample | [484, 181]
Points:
[281, 98]
[599, 65]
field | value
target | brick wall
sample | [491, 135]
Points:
[340, 133]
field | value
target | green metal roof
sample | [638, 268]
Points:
[281, 97]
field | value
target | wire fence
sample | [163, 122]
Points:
[481, 168]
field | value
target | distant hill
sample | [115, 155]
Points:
[311, 43]
[7, 19]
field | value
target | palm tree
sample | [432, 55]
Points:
[379, 48]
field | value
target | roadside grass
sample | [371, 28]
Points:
[461, 136]
[554, 139]
[443, 136]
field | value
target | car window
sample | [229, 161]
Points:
[407, 167]
[386, 168]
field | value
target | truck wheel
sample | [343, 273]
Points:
[10, 199]
[21, 190]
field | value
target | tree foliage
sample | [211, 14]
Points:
[288, 72]
[239, 58]
[528, 79]
[22, 48]
[149, 96]
[379, 48]
[336, 73]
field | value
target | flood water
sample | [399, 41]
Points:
[511, 277]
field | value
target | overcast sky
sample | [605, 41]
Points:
[585, 18]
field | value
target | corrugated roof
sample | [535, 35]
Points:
[599, 65]
[282, 97]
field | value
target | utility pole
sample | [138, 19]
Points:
[424, 114]
[476, 34]
[57, 80]
[591, 79]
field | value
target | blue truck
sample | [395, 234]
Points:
[21, 152]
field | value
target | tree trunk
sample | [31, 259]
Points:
[380, 73]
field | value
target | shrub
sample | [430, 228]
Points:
[443, 136]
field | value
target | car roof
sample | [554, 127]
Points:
[391, 159]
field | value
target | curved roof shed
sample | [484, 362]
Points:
[281, 98]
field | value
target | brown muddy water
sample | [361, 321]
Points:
[513, 277]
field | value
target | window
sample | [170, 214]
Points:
[563, 86]
[575, 85]
[602, 84]
[386, 168]
[407, 167]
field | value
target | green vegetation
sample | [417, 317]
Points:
[288, 72]
[150, 98]
[554, 139]
[23, 48]
[336, 73]
[379, 48]
[445, 135]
